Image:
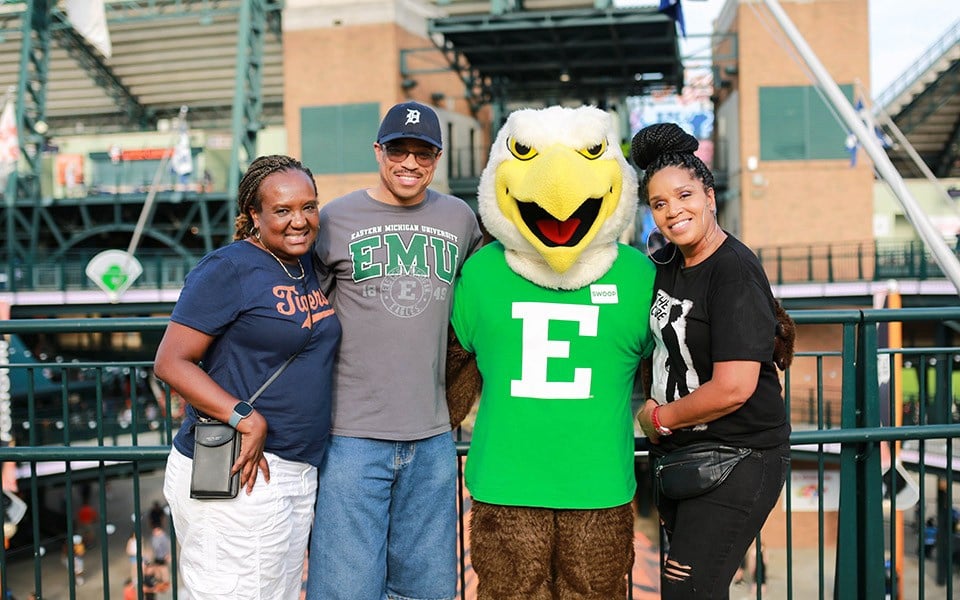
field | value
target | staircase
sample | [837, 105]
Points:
[924, 103]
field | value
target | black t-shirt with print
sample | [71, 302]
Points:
[719, 310]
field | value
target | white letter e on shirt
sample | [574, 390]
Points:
[537, 348]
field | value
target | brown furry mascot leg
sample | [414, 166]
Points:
[510, 548]
[594, 553]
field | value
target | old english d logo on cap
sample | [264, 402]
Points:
[411, 120]
[413, 116]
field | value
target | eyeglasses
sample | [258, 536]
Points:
[398, 154]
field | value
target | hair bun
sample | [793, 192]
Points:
[659, 139]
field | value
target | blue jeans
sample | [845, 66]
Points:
[708, 535]
[385, 522]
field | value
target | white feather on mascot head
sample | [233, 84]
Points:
[557, 192]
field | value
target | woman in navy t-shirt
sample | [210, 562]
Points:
[244, 310]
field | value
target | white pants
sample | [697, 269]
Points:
[249, 548]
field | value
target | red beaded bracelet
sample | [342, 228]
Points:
[655, 419]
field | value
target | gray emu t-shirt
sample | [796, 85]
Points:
[390, 273]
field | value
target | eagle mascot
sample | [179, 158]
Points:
[550, 322]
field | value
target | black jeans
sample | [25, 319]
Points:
[707, 536]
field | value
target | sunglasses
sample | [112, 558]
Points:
[398, 154]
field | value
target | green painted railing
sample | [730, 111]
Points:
[161, 270]
[822, 263]
[126, 440]
[850, 261]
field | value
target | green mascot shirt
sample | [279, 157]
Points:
[555, 425]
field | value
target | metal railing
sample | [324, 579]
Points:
[118, 445]
[161, 270]
[850, 261]
[822, 263]
[948, 40]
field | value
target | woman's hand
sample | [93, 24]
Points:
[732, 384]
[253, 436]
[180, 349]
[644, 417]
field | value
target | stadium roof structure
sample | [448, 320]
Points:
[165, 54]
[924, 104]
[172, 53]
[584, 54]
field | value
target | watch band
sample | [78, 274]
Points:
[655, 420]
[238, 415]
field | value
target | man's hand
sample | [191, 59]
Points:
[645, 420]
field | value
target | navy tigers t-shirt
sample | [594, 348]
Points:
[260, 316]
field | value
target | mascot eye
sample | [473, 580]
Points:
[521, 151]
[594, 151]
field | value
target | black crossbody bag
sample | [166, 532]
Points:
[216, 447]
[696, 469]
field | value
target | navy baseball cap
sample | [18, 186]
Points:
[410, 120]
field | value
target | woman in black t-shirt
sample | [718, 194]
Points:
[715, 322]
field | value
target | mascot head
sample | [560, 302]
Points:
[557, 192]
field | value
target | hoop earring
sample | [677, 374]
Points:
[651, 252]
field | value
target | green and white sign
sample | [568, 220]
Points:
[114, 271]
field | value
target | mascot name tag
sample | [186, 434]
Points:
[604, 293]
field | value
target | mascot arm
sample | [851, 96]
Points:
[463, 379]
[785, 338]
[646, 377]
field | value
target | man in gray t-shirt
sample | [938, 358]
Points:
[385, 520]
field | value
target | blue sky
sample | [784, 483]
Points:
[901, 31]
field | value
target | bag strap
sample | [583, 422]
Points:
[276, 374]
[202, 418]
[287, 362]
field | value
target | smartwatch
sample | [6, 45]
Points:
[241, 411]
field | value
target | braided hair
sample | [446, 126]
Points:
[248, 194]
[667, 145]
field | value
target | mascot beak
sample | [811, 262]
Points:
[558, 199]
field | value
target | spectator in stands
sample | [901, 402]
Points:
[720, 336]
[8, 481]
[751, 570]
[246, 309]
[160, 543]
[149, 582]
[86, 521]
[129, 590]
[157, 515]
[79, 550]
[131, 550]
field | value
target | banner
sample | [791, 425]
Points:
[6, 421]
[692, 110]
[9, 143]
[672, 9]
[853, 144]
[69, 168]
[89, 18]
[182, 160]
[805, 491]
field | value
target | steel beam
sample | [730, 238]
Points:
[80, 50]
[23, 185]
[247, 97]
